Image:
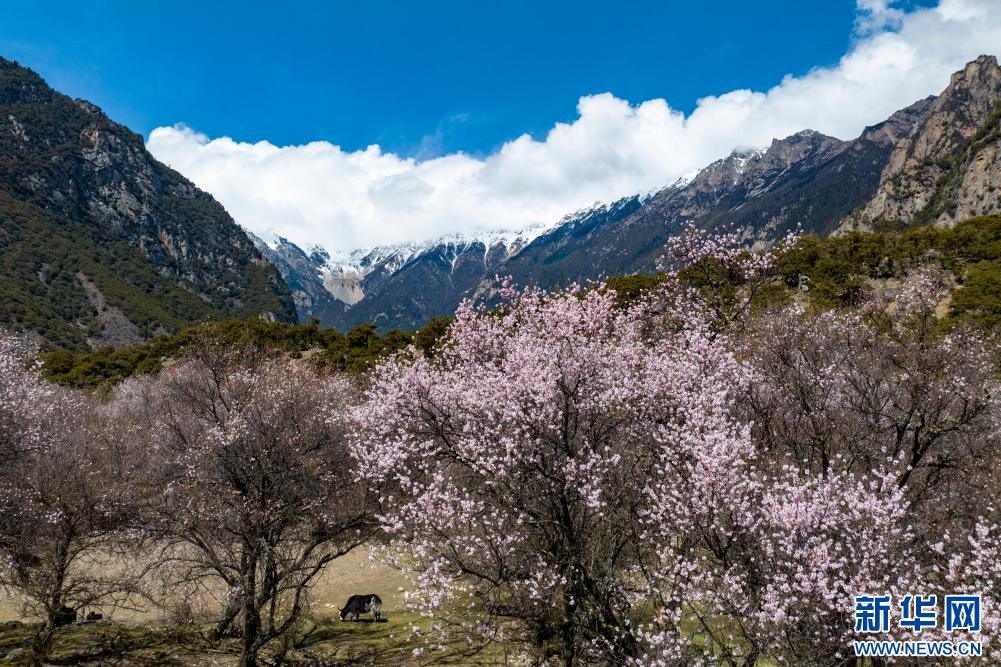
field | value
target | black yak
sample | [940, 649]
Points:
[362, 604]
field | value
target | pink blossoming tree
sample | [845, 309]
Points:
[253, 484]
[523, 456]
[65, 508]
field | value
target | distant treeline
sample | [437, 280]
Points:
[835, 272]
[356, 351]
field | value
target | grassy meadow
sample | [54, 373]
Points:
[151, 637]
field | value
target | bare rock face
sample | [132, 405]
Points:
[114, 328]
[976, 189]
[346, 289]
[302, 273]
[946, 169]
[752, 174]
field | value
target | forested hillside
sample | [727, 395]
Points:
[836, 272]
[100, 244]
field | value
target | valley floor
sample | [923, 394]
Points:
[148, 638]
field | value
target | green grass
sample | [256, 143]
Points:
[325, 641]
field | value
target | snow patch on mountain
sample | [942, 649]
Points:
[585, 215]
[742, 157]
[685, 179]
[391, 258]
[343, 274]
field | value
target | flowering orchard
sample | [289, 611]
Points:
[64, 506]
[522, 461]
[709, 475]
[681, 481]
[253, 484]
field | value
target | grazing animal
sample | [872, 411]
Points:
[65, 616]
[362, 604]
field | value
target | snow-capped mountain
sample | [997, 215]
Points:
[946, 148]
[391, 258]
[403, 286]
[393, 285]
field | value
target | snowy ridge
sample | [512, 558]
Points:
[347, 275]
[341, 270]
[600, 208]
[685, 179]
[357, 264]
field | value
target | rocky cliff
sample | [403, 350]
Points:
[948, 168]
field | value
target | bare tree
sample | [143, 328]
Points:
[65, 511]
[255, 487]
[858, 389]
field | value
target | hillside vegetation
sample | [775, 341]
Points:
[46, 263]
[356, 351]
[100, 244]
[838, 272]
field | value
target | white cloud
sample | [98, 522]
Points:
[320, 193]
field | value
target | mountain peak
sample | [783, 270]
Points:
[938, 161]
[972, 95]
[805, 135]
[20, 84]
[805, 146]
[318, 254]
[975, 70]
[804, 138]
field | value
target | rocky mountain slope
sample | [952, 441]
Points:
[100, 243]
[444, 272]
[949, 168]
[301, 271]
[807, 180]
[938, 160]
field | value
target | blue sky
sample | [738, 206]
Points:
[365, 123]
[415, 77]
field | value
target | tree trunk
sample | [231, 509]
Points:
[251, 634]
[248, 658]
[222, 627]
[250, 609]
[569, 628]
[42, 644]
[569, 650]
